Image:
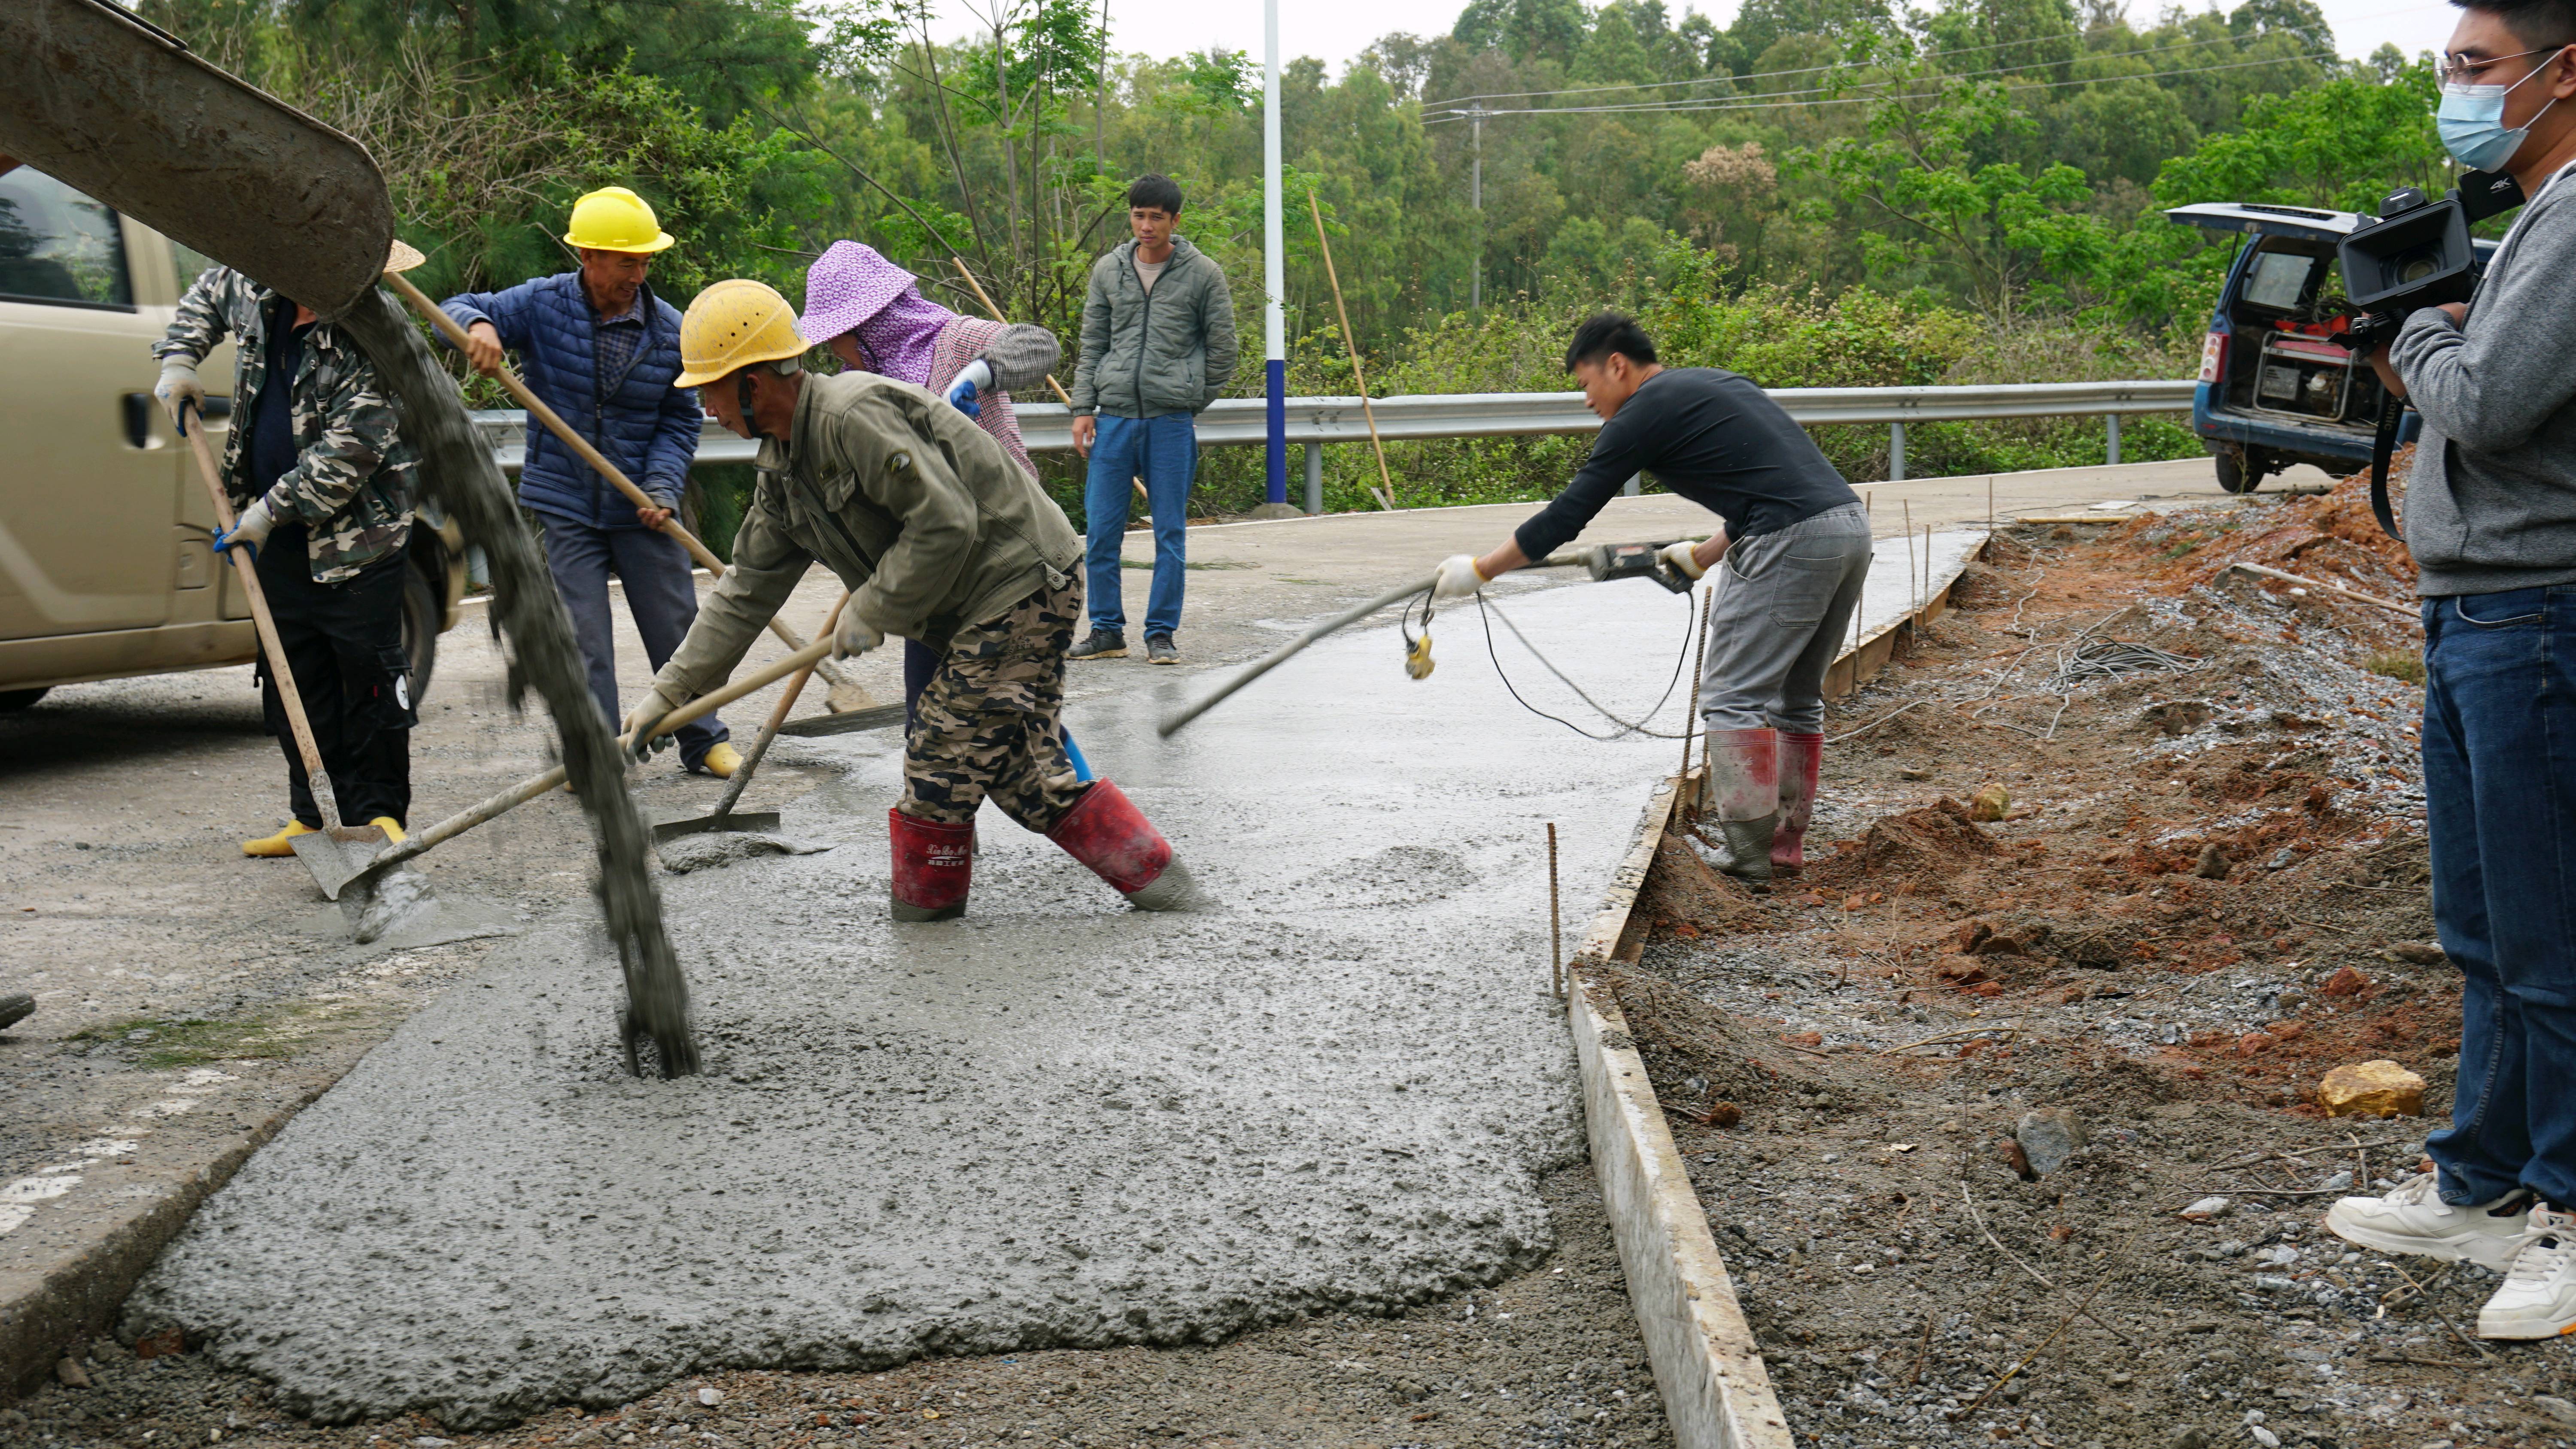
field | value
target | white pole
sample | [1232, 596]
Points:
[1274, 280]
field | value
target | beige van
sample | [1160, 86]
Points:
[105, 565]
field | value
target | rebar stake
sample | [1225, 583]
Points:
[1556, 972]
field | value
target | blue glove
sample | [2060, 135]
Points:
[977, 376]
[250, 530]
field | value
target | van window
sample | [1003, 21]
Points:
[2277, 280]
[59, 246]
[190, 264]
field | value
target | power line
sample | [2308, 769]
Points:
[1777, 105]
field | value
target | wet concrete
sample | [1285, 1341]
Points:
[1056, 1122]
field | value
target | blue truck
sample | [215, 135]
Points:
[2275, 388]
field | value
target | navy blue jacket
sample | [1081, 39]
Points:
[645, 426]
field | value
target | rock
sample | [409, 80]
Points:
[2213, 863]
[70, 1374]
[2254, 1043]
[157, 1345]
[1968, 934]
[2345, 982]
[2371, 1089]
[2187, 1439]
[15, 1008]
[2338, 1182]
[2048, 1136]
[2207, 1210]
[2263, 1436]
[2555, 1407]
[1721, 1114]
[2421, 953]
[1263, 512]
[1989, 803]
[710, 1397]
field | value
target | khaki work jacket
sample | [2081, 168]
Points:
[922, 514]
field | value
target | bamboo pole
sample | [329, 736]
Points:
[1351, 344]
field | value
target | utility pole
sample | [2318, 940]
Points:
[1476, 199]
[1274, 271]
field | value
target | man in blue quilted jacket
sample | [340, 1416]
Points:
[602, 350]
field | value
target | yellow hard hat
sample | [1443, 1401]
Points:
[616, 220]
[732, 325]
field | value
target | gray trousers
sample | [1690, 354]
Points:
[1784, 604]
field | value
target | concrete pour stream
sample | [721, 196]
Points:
[1056, 1122]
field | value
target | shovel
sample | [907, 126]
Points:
[554, 423]
[422, 841]
[335, 852]
[725, 817]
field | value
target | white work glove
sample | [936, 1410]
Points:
[854, 636]
[250, 528]
[1458, 577]
[642, 741]
[1680, 557]
[179, 390]
[977, 376]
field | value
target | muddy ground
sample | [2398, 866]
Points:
[2209, 890]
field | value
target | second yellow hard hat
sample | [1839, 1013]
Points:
[615, 219]
[732, 325]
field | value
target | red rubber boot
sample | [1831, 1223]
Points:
[1801, 756]
[933, 866]
[1105, 831]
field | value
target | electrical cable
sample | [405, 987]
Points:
[1488, 612]
[1713, 106]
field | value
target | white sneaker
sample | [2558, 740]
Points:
[2412, 1218]
[2538, 1299]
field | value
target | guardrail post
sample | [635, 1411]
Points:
[1314, 478]
[1896, 452]
[2113, 419]
[1633, 486]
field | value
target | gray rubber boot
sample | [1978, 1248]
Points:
[1741, 811]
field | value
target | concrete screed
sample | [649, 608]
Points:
[1056, 1122]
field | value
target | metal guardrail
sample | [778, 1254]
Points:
[1242, 422]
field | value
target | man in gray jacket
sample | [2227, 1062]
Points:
[1157, 347]
[2491, 519]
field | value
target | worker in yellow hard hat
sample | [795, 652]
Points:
[942, 538]
[604, 353]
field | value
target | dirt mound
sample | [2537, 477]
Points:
[2333, 537]
[1684, 896]
[1684, 1039]
[1935, 840]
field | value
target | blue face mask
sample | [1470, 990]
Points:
[2471, 123]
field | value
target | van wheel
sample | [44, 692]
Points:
[420, 620]
[2242, 472]
[14, 700]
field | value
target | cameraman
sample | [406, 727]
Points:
[2491, 520]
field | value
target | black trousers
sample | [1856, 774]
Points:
[343, 644]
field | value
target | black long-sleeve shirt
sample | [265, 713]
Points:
[1714, 438]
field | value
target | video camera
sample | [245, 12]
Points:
[2418, 254]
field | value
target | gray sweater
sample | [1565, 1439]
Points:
[2491, 504]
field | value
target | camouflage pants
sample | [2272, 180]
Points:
[986, 722]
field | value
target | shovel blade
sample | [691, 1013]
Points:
[338, 855]
[757, 822]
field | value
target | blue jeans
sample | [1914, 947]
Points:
[659, 594]
[2500, 811]
[1164, 452]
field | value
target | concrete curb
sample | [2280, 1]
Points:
[1860, 663]
[1716, 1392]
[51, 1309]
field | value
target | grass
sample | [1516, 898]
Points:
[192, 1041]
[2398, 664]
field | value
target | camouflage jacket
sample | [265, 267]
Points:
[355, 473]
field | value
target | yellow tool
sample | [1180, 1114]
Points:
[1417, 656]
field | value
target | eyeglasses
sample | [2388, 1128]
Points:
[2469, 70]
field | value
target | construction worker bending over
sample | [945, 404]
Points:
[941, 537]
[602, 350]
[321, 483]
[1794, 549]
